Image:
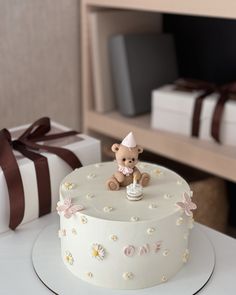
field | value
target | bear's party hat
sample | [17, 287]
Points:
[129, 140]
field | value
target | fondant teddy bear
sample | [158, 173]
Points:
[126, 155]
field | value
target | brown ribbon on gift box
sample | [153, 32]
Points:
[225, 92]
[27, 144]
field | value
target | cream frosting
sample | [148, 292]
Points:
[135, 244]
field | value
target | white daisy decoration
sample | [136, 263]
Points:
[186, 255]
[98, 251]
[69, 258]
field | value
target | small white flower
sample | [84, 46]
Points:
[114, 238]
[98, 251]
[61, 233]
[89, 274]
[83, 219]
[186, 255]
[153, 206]
[107, 209]
[179, 221]
[179, 182]
[128, 275]
[166, 252]
[134, 218]
[68, 185]
[167, 196]
[74, 232]
[90, 196]
[163, 278]
[91, 175]
[69, 258]
[151, 230]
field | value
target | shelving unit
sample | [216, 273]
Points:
[208, 156]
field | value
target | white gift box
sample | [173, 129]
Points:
[172, 110]
[86, 148]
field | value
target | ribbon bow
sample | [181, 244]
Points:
[225, 92]
[27, 144]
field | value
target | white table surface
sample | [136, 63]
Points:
[18, 277]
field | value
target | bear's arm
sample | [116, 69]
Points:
[136, 173]
[120, 177]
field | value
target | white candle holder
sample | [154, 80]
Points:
[134, 191]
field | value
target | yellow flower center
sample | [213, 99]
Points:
[95, 253]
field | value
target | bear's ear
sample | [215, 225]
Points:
[140, 149]
[115, 147]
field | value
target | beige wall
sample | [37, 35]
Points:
[39, 61]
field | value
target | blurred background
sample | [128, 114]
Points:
[103, 83]
[39, 61]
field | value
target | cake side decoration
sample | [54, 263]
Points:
[134, 218]
[108, 209]
[166, 252]
[187, 205]
[68, 208]
[153, 205]
[114, 238]
[186, 256]
[74, 231]
[116, 243]
[179, 221]
[157, 246]
[89, 274]
[69, 258]
[126, 154]
[68, 185]
[163, 278]
[61, 233]
[98, 251]
[128, 275]
[129, 250]
[83, 219]
[143, 250]
[151, 230]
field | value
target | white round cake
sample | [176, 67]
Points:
[110, 241]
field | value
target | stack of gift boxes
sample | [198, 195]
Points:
[203, 110]
[34, 159]
[196, 108]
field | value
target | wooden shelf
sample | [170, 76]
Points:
[208, 156]
[222, 9]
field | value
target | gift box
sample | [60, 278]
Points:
[174, 110]
[42, 161]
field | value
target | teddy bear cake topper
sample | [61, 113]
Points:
[127, 174]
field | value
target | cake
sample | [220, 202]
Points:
[111, 241]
